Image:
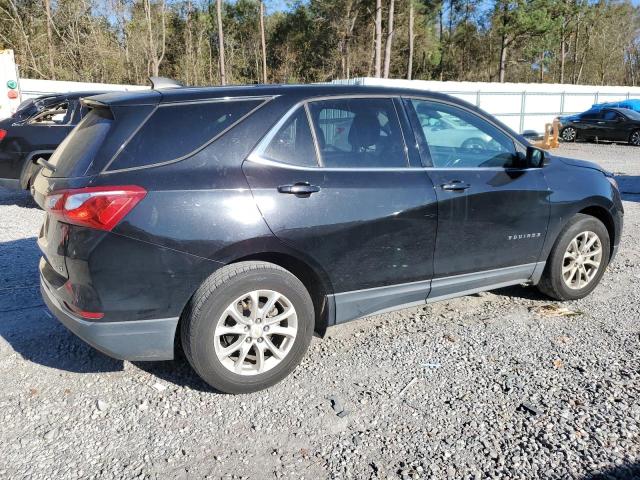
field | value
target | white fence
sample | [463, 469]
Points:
[522, 106]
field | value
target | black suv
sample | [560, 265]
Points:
[34, 132]
[240, 220]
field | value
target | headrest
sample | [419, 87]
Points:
[364, 131]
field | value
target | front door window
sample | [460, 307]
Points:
[456, 138]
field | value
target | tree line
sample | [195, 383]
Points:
[249, 41]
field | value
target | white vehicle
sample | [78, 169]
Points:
[10, 97]
[451, 131]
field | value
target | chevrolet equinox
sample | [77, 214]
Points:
[238, 221]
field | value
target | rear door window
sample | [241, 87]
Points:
[176, 131]
[293, 143]
[358, 133]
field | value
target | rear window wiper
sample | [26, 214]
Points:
[48, 165]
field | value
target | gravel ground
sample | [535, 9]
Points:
[496, 385]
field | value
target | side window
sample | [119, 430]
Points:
[174, 131]
[591, 115]
[456, 138]
[358, 133]
[58, 114]
[293, 142]
[610, 115]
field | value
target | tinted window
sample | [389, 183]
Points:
[174, 131]
[610, 115]
[591, 115]
[456, 138]
[293, 142]
[358, 132]
[83, 143]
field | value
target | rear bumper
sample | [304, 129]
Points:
[137, 340]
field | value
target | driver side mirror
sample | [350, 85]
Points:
[534, 158]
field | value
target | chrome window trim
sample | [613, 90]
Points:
[255, 158]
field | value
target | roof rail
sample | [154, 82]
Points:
[164, 82]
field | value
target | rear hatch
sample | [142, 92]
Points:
[76, 162]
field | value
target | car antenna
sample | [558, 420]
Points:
[164, 82]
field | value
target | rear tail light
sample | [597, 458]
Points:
[78, 311]
[83, 313]
[3, 133]
[101, 208]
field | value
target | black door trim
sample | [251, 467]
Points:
[373, 301]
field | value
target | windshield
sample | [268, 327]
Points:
[632, 114]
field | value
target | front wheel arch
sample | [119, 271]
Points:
[605, 217]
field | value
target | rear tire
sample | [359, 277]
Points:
[247, 326]
[577, 260]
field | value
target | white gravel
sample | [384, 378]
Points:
[485, 386]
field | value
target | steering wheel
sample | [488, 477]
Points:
[474, 144]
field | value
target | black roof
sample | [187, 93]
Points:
[186, 94]
[299, 92]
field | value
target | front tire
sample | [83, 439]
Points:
[634, 138]
[577, 260]
[569, 134]
[247, 327]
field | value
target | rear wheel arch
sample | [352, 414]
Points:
[315, 280]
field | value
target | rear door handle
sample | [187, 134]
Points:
[455, 186]
[299, 188]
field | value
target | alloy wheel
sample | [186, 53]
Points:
[582, 260]
[569, 134]
[635, 138]
[256, 332]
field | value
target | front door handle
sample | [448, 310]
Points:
[299, 188]
[455, 186]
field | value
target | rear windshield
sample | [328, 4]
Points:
[175, 131]
[77, 150]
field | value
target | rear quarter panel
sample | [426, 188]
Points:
[198, 215]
